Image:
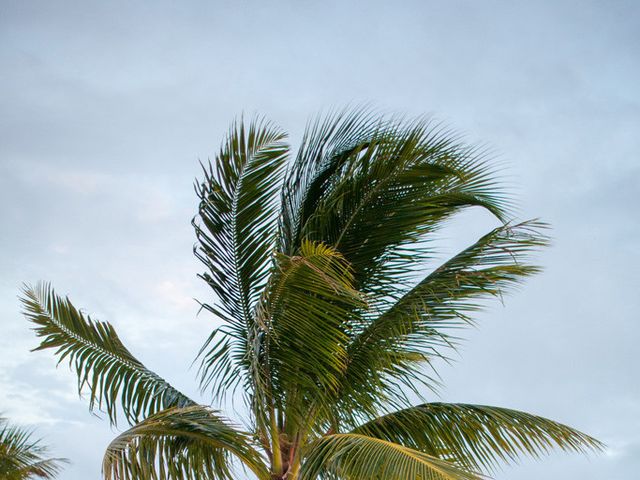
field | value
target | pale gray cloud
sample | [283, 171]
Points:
[108, 106]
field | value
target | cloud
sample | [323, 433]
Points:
[107, 108]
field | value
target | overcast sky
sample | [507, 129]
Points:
[106, 109]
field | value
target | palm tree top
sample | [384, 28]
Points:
[312, 259]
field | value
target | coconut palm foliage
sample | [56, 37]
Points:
[22, 457]
[329, 323]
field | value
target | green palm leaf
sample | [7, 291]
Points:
[235, 228]
[378, 187]
[180, 443]
[414, 329]
[355, 456]
[22, 457]
[306, 311]
[476, 436]
[103, 364]
[188, 443]
[328, 144]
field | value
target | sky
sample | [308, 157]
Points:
[107, 107]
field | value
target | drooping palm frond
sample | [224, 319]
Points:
[378, 188]
[105, 368]
[388, 351]
[354, 456]
[327, 145]
[190, 443]
[476, 436]
[22, 457]
[235, 228]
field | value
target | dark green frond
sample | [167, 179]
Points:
[327, 145]
[355, 456]
[104, 366]
[380, 186]
[191, 443]
[236, 231]
[22, 457]
[476, 436]
[415, 329]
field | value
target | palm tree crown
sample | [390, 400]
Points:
[22, 457]
[313, 260]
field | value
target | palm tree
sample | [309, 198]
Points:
[22, 457]
[327, 330]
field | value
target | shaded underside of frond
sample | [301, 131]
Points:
[189, 443]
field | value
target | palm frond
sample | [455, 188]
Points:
[306, 312]
[22, 457]
[190, 443]
[235, 228]
[104, 366]
[355, 456]
[328, 144]
[386, 353]
[379, 187]
[476, 436]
